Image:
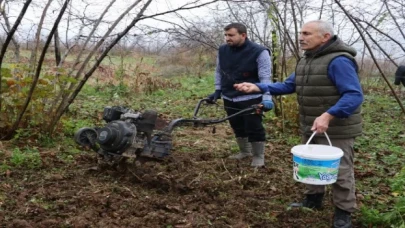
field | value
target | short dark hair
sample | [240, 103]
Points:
[241, 28]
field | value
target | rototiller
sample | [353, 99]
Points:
[131, 134]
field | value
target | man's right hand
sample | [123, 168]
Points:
[214, 97]
[246, 87]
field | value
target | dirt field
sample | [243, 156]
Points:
[195, 187]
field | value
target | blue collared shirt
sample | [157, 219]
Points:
[342, 72]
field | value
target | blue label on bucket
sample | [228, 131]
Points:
[315, 171]
[308, 162]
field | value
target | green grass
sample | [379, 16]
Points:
[379, 161]
[28, 158]
[116, 60]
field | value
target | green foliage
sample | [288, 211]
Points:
[17, 80]
[112, 91]
[70, 126]
[21, 134]
[4, 167]
[394, 217]
[5, 73]
[47, 141]
[372, 83]
[286, 114]
[293, 140]
[28, 158]
[371, 216]
[398, 184]
[380, 154]
[121, 89]
[121, 77]
[181, 101]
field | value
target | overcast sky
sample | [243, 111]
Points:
[94, 8]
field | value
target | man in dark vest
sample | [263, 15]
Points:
[241, 60]
[400, 75]
[329, 97]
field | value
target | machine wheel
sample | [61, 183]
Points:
[86, 137]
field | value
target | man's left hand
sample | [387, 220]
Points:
[321, 123]
[267, 105]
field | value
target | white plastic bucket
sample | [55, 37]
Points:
[316, 164]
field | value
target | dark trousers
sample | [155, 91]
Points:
[246, 125]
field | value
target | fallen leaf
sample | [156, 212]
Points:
[396, 194]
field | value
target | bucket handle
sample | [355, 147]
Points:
[313, 134]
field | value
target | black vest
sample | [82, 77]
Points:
[238, 64]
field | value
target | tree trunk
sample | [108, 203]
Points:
[58, 58]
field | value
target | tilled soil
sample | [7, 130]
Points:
[197, 186]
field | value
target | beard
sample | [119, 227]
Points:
[234, 43]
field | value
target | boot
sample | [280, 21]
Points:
[313, 201]
[258, 154]
[245, 149]
[342, 219]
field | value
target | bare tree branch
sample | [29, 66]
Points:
[191, 34]
[96, 25]
[381, 32]
[400, 28]
[372, 54]
[65, 103]
[34, 51]
[7, 28]
[295, 23]
[57, 51]
[321, 11]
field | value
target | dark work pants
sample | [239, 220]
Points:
[343, 189]
[246, 125]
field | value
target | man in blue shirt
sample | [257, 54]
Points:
[329, 95]
[241, 60]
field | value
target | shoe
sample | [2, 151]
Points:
[245, 148]
[342, 219]
[258, 154]
[312, 201]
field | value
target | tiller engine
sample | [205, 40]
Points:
[131, 134]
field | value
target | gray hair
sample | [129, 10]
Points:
[323, 26]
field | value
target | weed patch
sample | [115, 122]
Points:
[28, 158]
